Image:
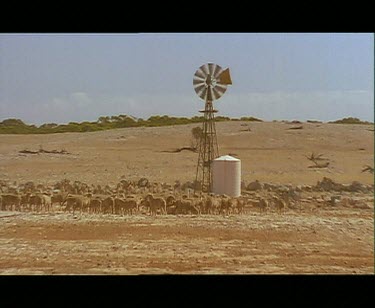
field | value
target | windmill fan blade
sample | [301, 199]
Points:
[203, 94]
[217, 71]
[218, 93]
[220, 90]
[215, 93]
[197, 81]
[200, 74]
[199, 88]
[211, 68]
[204, 69]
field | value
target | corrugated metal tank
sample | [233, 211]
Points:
[226, 176]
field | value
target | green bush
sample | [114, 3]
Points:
[350, 120]
[12, 122]
[251, 119]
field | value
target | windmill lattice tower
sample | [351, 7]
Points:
[210, 83]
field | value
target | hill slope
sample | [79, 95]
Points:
[270, 152]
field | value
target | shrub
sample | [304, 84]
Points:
[350, 120]
[251, 119]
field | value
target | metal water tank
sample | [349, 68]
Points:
[226, 176]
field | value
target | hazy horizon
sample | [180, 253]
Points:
[171, 115]
[61, 78]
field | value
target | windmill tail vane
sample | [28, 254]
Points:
[224, 77]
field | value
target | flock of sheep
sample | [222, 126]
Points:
[127, 198]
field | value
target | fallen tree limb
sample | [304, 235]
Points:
[44, 151]
[320, 165]
[181, 149]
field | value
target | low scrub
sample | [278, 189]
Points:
[350, 120]
[251, 119]
[17, 126]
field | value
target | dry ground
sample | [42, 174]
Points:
[270, 152]
[335, 240]
[329, 241]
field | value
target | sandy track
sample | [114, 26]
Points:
[327, 241]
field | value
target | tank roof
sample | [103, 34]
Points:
[226, 158]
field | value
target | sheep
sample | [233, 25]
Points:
[263, 204]
[170, 200]
[70, 203]
[227, 205]
[117, 205]
[81, 203]
[186, 206]
[107, 205]
[200, 205]
[85, 202]
[212, 205]
[280, 204]
[8, 200]
[47, 202]
[59, 198]
[76, 202]
[156, 204]
[95, 205]
[240, 205]
[177, 186]
[36, 202]
[125, 206]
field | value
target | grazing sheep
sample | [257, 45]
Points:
[47, 202]
[200, 205]
[240, 205]
[70, 203]
[177, 186]
[170, 200]
[156, 204]
[186, 206]
[77, 202]
[36, 202]
[263, 205]
[123, 206]
[118, 205]
[95, 205]
[227, 205]
[58, 198]
[108, 205]
[82, 203]
[85, 203]
[10, 200]
[212, 204]
[280, 204]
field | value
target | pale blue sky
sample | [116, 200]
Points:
[77, 77]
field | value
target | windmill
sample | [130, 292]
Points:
[210, 83]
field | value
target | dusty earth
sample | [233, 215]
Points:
[308, 240]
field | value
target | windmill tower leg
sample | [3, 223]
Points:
[208, 149]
